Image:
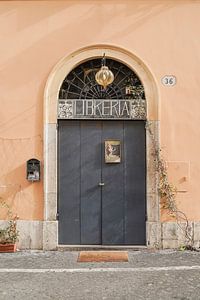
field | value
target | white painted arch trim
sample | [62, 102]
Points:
[54, 82]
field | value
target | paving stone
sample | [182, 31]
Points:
[127, 285]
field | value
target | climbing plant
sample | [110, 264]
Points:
[167, 192]
[9, 234]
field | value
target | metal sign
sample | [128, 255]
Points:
[102, 109]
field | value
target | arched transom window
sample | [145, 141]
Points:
[81, 97]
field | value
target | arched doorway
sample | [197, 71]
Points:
[101, 157]
[58, 90]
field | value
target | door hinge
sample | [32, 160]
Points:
[56, 126]
[57, 216]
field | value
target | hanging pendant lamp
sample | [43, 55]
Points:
[104, 76]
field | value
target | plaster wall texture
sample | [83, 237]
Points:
[35, 35]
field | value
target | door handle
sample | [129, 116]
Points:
[101, 183]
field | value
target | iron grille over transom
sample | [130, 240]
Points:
[80, 84]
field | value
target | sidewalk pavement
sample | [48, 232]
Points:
[57, 275]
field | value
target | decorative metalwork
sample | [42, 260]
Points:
[138, 109]
[65, 109]
[104, 76]
[80, 96]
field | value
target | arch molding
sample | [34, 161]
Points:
[56, 77]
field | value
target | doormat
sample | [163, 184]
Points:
[103, 256]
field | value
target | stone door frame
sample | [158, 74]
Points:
[56, 77]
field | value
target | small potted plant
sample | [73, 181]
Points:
[9, 234]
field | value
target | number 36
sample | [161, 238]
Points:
[169, 80]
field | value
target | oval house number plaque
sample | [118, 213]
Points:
[168, 80]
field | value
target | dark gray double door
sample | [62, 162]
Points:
[91, 213]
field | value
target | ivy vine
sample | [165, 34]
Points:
[167, 192]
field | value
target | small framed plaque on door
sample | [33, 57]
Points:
[112, 151]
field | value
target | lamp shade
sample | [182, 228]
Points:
[104, 76]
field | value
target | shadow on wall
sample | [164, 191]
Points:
[136, 9]
[32, 113]
[44, 30]
[21, 195]
[17, 150]
[38, 34]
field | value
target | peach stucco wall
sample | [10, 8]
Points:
[35, 35]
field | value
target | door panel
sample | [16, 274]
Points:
[79, 175]
[113, 190]
[69, 182]
[113, 214]
[90, 177]
[134, 183]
